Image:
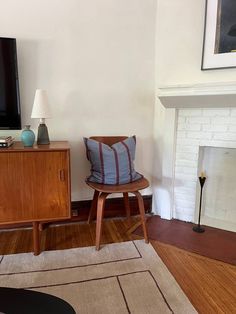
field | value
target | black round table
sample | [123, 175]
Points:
[21, 301]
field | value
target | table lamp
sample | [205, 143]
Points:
[41, 111]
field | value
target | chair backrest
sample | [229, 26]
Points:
[109, 140]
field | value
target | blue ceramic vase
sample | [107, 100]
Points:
[27, 136]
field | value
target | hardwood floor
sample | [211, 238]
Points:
[209, 284]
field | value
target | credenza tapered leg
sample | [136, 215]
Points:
[36, 238]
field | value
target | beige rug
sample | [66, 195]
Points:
[127, 277]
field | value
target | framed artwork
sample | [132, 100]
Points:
[219, 46]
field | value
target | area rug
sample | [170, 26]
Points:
[213, 243]
[127, 277]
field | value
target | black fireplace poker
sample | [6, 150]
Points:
[198, 228]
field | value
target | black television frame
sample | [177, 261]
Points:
[12, 120]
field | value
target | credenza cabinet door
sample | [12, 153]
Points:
[34, 186]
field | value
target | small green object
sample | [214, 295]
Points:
[28, 136]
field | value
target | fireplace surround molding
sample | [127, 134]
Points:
[204, 95]
[190, 101]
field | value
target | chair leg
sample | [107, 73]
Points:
[127, 207]
[93, 206]
[142, 214]
[100, 211]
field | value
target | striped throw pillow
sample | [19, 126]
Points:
[112, 164]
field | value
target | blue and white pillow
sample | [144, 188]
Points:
[112, 164]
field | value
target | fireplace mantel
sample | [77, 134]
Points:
[210, 95]
[216, 96]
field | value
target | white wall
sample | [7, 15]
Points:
[179, 39]
[96, 60]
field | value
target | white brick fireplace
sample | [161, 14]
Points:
[188, 133]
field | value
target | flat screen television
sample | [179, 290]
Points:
[10, 116]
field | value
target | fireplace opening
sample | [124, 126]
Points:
[219, 196]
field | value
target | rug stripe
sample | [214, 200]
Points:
[108, 277]
[122, 291]
[158, 287]
[85, 280]
[70, 267]
[76, 266]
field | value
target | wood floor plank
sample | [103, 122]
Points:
[206, 282]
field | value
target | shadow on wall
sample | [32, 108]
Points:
[142, 164]
[27, 54]
[35, 71]
[163, 196]
[79, 115]
[80, 169]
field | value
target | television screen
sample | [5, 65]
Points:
[10, 117]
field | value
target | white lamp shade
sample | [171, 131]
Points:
[41, 107]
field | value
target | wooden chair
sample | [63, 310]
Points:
[101, 191]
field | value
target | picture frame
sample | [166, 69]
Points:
[219, 43]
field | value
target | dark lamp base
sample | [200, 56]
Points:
[43, 138]
[198, 229]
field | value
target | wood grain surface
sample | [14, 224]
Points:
[34, 185]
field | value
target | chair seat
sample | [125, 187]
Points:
[121, 188]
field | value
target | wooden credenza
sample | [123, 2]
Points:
[35, 185]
